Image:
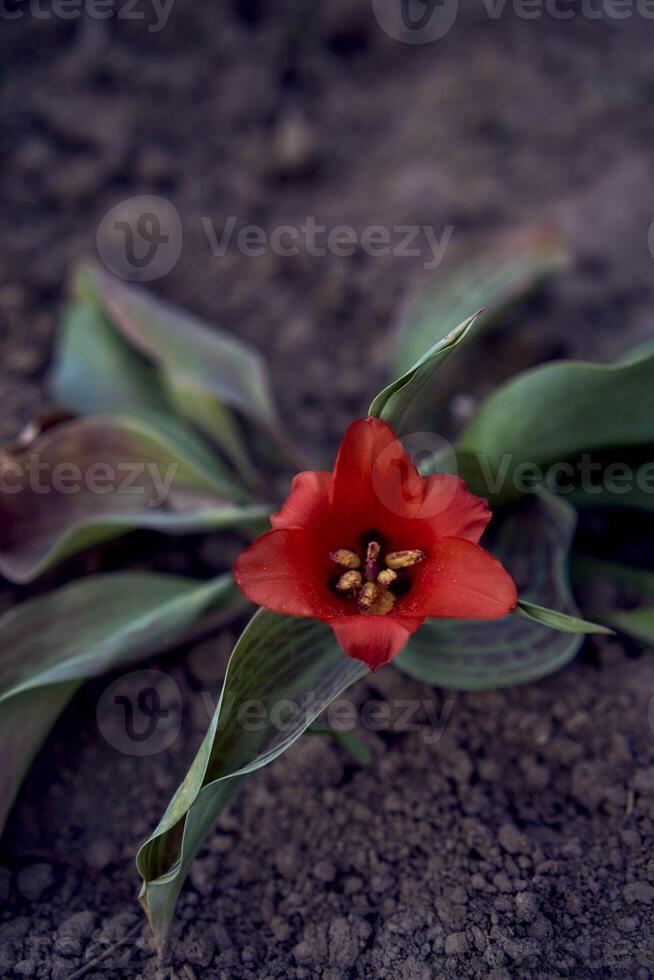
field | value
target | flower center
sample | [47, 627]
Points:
[371, 577]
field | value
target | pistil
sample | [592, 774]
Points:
[372, 554]
[371, 584]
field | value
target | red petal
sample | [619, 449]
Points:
[373, 639]
[374, 480]
[282, 570]
[459, 580]
[307, 502]
[451, 510]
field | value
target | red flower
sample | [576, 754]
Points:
[373, 548]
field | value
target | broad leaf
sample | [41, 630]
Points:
[160, 356]
[636, 492]
[532, 538]
[393, 403]
[278, 659]
[95, 371]
[551, 414]
[87, 481]
[488, 277]
[50, 644]
[557, 620]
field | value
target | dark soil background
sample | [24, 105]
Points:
[518, 845]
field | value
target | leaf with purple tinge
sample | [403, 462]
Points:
[90, 480]
[532, 539]
[123, 349]
[50, 644]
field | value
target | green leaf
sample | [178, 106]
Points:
[636, 623]
[95, 371]
[532, 538]
[50, 644]
[277, 660]
[90, 480]
[636, 494]
[488, 277]
[554, 413]
[393, 403]
[557, 620]
[160, 356]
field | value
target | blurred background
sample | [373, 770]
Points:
[150, 133]
[274, 114]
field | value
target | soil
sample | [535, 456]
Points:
[518, 844]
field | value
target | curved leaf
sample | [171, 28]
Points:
[50, 644]
[159, 357]
[277, 660]
[557, 620]
[532, 538]
[553, 413]
[487, 277]
[90, 480]
[393, 403]
[95, 371]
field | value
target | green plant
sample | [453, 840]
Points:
[154, 390]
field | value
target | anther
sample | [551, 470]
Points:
[404, 559]
[383, 603]
[367, 596]
[386, 577]
[349, 581]
[345, 558]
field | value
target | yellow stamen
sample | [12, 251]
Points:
[345, 558]
[367, 596]
[404, 559]
[348, 581]
[386, 577]
[381, 605]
